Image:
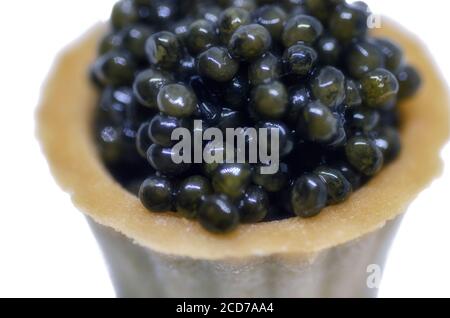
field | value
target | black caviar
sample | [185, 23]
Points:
[307, 68]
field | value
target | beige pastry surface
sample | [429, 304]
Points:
[64, 130]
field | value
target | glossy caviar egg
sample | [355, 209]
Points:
[338, 187]
[230, 20]
[207, 90]
[210, 113]
[209, 12]
[321, 9]
[217, 214]
[217, 64]
[177, 100]
[273, 18]
[285, 139]
[201, 36]
[365, 119]
[350, 174]
[364, 155]
[161, 128]
[363, 57]
[110, 144]
[265, 69]
[348, 22]
[124, 13]
[219, 151]
[187, 67]
[181, 29]
[115, 68]
[117, 104]
[232, 179]
[409, 81]
[135, 38]
[299, 98]
[297, 10]
[250, 42]
[163, 50]
[317, 123]
[164, 12]
[292, 4]
[143, 141]
[156, 194]
[147, 85]
[379, 87]
[249, 5]
[340, 138]
[208, 108]
[301, 28]
[254, 206]
[308, 196]
[271, 182]
[237, 91]
[161, 159]
[230, 118]
[393, 54]
[388, 141]
[111, 42]
[352, 93]
[329, 50]
[362, 6]
[299, 59]
[190, 195]
[328, 86]
[270, 100]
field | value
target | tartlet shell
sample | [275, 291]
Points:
[64, 130]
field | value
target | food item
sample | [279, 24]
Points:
[166, 233]
[190, 195]
[270, 100]
[264, 70]
[328, 86]
[308, 196]
[249, 42]
[363, 57]
[177, 100]
[163, 50]
[348, 22]
[156, 194]
[299, 59]
[217, 64]
[201, 35]
[316, 77]
[230, 20]
[302, 28]
[253, 207]
[409, 81]
[218, 214]
[273, 18]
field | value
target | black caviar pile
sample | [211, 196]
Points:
[305, 67]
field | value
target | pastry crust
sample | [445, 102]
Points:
[64, 129]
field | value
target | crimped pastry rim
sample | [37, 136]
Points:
[64, 118]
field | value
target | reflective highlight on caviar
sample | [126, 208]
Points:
[308, 70]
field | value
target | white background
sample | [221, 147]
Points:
[46, 248]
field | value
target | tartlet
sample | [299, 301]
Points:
[165, 255]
